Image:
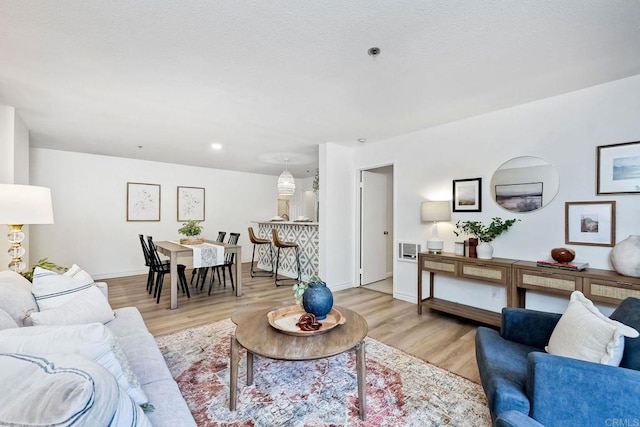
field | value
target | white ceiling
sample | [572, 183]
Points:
[271, 79]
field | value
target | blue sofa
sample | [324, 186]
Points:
[527, 387]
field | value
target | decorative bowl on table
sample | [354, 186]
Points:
[285, 319]
[563, 255]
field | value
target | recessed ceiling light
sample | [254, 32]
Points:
[362, 140]
[373, 51]
[216, 146]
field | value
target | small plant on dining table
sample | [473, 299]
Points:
[191, 228]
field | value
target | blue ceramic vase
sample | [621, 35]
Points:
[318, 300]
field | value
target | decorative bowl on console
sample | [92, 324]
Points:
[563, 254]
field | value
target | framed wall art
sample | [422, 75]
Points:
[590, 223]
[191, 203]
[143, 202]
[522, 197]
[467, 195]
[619, 168]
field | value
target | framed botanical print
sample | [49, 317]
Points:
[191, 203]
[143, 202]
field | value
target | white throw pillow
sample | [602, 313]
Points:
[6, 321]
[62, 390]
[88, 306]
[584, 333]
[77, 273]
[52, 290]
[15, 296]
[94, 341]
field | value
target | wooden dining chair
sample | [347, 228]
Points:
[147, 262]
[228, 264]
[160, 269]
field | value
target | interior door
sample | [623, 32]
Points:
[373, 233]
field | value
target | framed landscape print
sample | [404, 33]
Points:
[467, 195]
[619, 168]
[191, 203]
[143, 202]
[523, 197]
[590, 223]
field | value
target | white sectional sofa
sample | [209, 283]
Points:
[142, 354]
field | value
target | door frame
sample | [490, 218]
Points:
[358, 220]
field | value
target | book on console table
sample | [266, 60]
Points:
[571, 266]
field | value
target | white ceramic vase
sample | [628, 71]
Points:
[484, 250]
[625, 256]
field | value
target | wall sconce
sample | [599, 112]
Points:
[434, 212]
[19, 205]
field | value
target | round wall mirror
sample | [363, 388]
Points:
[524, 184]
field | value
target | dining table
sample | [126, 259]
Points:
[175, 250]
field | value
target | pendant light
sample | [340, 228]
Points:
[286, 183]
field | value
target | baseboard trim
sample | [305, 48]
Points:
[405, 297]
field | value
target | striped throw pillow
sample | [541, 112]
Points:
[53, 290]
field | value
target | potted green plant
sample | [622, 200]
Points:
[192, 229]
[484, 233]
[298, 291]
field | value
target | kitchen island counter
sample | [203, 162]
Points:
[305, 234]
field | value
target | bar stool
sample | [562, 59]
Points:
[257, 242]
[280, 244]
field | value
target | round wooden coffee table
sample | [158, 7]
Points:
[258, 337]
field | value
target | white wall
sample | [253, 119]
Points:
[297, 201]
[89, 207]
[21, 151]
[14, 165]
[6, 144]
[565, 130]
[337, 215]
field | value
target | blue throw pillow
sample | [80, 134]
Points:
[628, 312]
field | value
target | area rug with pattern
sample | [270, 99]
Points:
[401, 390]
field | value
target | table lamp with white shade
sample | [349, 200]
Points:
[432, 211]
[20, 205]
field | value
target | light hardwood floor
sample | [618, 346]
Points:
[442, 340]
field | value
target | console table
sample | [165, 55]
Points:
[496, 271]
[604, 286]
[517, 277]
